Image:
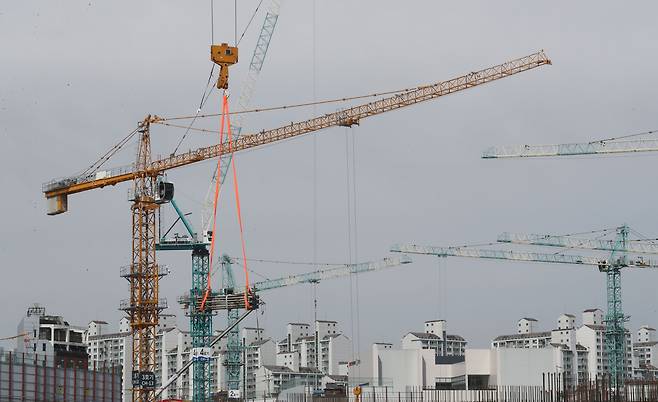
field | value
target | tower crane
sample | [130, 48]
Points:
[218, 298]
[201, 320]
[149, 191]
[619, 248]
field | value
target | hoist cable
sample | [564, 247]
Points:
[250, 21]
[295, 105]
[109, 154]
[204, 98]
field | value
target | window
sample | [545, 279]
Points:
[43, 346]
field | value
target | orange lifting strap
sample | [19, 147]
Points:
[229, 139]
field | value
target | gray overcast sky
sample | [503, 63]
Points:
[76, 76]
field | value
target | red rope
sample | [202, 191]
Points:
[216, 197]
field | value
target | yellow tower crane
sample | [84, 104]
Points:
[149, 192]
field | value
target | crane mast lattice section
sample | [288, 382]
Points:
[57, 191]
[574, 242]
[200, 326]
[144, 305]
[615, 332]
[233, 362]
[200, 320]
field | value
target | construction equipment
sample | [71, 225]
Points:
[308, 277]
[247, 89]
[615, 333]
[226, 299]
[642, 142]
[224, 56]
[212, 343]
[200, 320]
[610, 146]
[615, 318]
[144, 306]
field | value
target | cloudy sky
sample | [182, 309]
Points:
[76, 76]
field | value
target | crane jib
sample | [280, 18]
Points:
[57, 190]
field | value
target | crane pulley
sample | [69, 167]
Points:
[224, 56]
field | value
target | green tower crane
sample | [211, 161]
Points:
[200, 320]
[615, 332]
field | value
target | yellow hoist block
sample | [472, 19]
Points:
[225, 56]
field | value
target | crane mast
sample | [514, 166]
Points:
[144, 305]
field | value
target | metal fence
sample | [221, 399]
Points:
[553, 389]
[31, 378]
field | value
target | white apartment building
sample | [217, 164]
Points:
[307, 355]
[526, 336]
[51, 338]
[322, 348]
[109, 349]
[436, 338]
[432, 358]
[272, 380]
[645, 354]
[580, 351]
[522, 358]
[258, 352]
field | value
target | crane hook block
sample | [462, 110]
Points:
[224, 56]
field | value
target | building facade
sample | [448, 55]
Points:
[51, 337]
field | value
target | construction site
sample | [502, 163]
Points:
[260, 200]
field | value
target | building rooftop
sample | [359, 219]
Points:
[455, 338]
[98, 322]
[331, 336]
[528, 319]
[523, 336]
[591, 310]
[261, 342]
[569, 315]
[435, 321]
[298, 323]
[284, 369]
[309, 370]
[327, 321]
[280, 369]
[647, 327]
[423, 335]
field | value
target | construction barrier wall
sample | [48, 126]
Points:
[30, 378]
